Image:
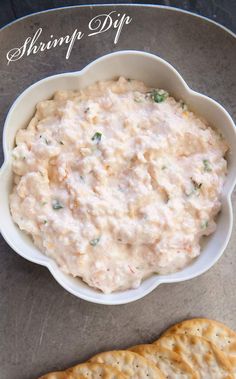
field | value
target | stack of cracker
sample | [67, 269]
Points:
[193, 349]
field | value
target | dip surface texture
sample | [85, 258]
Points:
[117, 182]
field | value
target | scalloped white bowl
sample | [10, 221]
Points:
[155, 72]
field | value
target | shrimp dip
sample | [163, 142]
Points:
[117, 182]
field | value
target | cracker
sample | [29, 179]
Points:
[55, 375]
[94, 370]
[131, 364]
[222, 336]
[169, 362]
[204, 357]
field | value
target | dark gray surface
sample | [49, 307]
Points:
[222, 11]
[42, 327]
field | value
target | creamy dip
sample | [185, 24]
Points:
[116, 182]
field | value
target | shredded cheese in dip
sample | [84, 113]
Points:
[116, 182]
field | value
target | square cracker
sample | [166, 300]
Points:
[131, 364]
[94, 370]
[204, 357]
[169, 362]
[214, 331]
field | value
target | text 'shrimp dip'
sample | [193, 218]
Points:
[97, 25]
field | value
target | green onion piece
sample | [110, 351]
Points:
[95, 241]
[159, 95]
[204, 224]
[57, 205]
[97, 137]
[207, 165]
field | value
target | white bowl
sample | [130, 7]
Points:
[155, 72]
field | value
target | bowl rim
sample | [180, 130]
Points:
[46, 261]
